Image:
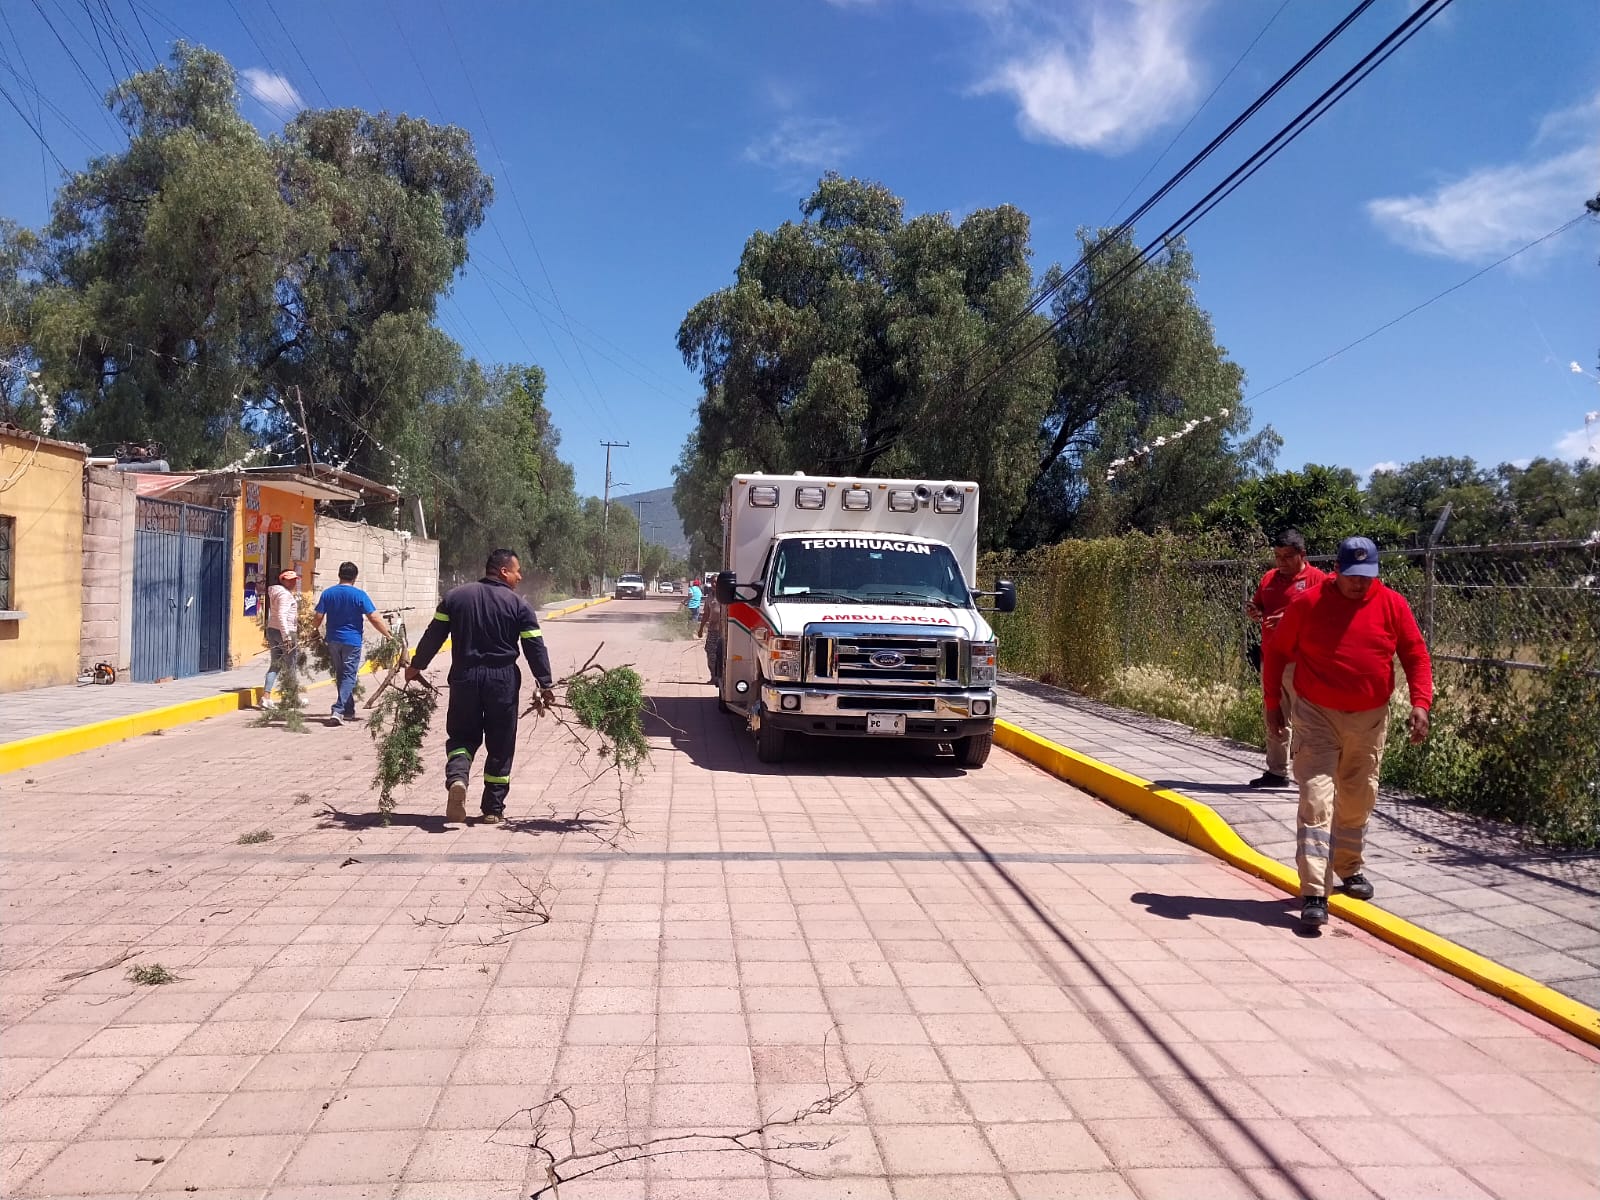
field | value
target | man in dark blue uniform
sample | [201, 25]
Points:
[486, 622]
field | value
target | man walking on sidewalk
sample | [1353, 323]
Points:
[1288, 578]
[486, 622]
[344, 606]
[1342, 638]
[283, 626]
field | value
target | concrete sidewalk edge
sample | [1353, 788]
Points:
[46, 747]
[1200, 826]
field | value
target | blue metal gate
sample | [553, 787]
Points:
[180, 590]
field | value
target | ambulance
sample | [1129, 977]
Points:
[852, 612]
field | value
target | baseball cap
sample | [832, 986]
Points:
[290, 575]
[1358, 556]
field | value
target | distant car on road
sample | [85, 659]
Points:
[630, 587]
[666, 587]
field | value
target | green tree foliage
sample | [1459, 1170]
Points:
[1324, 503]
[494, 476]
[202, 284]
[848, 344]
[1136, 362]
[857, 341]
[19, 249]
[1545, 500]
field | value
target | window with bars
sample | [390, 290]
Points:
[8, 539]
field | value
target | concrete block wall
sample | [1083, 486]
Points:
[110, 500]
[399, 573]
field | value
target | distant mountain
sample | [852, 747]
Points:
[659, 518]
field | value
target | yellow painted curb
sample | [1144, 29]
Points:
[572, 608]
[1200, 826]
[45, 747]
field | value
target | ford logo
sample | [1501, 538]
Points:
[888, 658]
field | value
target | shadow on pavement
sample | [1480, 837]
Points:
[1275, 913]
[334, 818]
[717, 741]
[1225, 789]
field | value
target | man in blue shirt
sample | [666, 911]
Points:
[343, 607]
[696, 598]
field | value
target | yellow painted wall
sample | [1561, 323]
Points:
[46, 499]
[246, 637]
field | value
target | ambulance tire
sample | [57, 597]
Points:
[973, 752]
[772, 745]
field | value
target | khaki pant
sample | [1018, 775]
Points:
[1336, 759]
[1278, 747]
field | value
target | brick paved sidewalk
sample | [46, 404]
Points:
[1465, 879]
[1045, 998]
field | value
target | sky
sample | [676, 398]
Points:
[636, 146]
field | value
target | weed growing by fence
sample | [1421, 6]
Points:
[1157, 623]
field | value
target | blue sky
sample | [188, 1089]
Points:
[636, 145]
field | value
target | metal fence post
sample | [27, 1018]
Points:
[1428, 561]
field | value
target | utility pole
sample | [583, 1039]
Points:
[605, 511]
[638, 553]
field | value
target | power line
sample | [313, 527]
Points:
[99, 96]
[1416, 308]
[36, 131]
[155, 56]
[488, 279]
[1177, 137]
[295, 46]
[1285, 136]
[516, 203]
[1088, 257]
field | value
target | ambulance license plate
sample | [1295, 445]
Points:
[888, 723]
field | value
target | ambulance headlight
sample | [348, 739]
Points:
[902, 500]
[856, 499]
[808, 497]
[764, 495]
[983, 662]
[949, 501]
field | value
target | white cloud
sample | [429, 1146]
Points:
[276, 92]
[1493, 210]
[807, 144]
[1376, 467]
[1097, 76]
[1580, 443]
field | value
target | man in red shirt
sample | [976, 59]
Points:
[1291, 576]
[1342, 638]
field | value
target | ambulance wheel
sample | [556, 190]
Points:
[973, 751]
[771, 744]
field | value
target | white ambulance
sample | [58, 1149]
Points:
[851, 612]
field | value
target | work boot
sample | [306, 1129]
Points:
[455, 807]
[1359, 886]
[1269, 779]
[1315, 913]
[492, 818]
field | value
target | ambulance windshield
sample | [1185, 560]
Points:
[867, 569]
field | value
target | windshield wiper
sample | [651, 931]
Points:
[916, 598]
[819, 596]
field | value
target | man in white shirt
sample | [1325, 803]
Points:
[283, 623]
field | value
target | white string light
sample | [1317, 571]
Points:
[1144, 452]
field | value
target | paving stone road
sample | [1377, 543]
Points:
[1044, 998]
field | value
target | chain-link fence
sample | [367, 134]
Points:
[1157, 623]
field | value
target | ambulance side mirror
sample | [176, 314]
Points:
[1005, 597]
[723, 587]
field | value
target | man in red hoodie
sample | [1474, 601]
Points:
[1342, 638]
[1291, 575]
